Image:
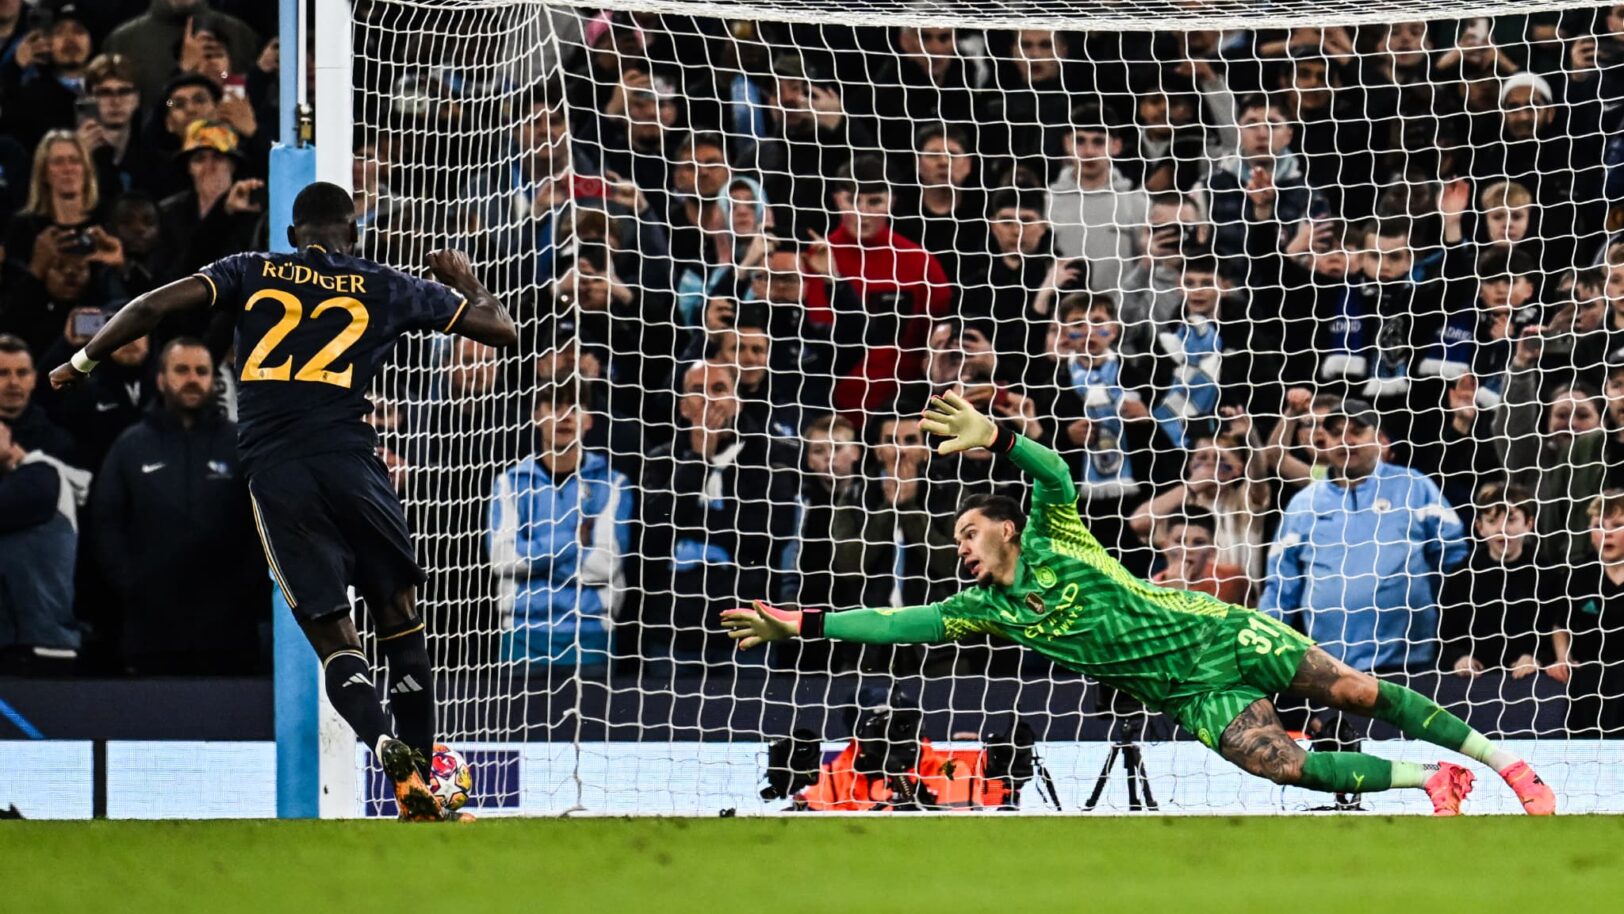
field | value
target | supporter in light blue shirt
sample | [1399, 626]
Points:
[1359, 555]
[559, 526]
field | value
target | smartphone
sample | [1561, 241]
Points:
[87, 322]
[86, 109]
[235, 87]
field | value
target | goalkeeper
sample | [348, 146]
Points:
[1046, 583]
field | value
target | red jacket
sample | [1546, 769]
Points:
[889, 263]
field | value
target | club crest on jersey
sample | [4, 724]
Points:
[1044, 576]
[1034, 602]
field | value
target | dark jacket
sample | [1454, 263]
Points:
[724, 548]
[1490, 610]
[174, 534]
[99, 408]
[34, 431]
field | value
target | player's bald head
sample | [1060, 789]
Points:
[324, 214]
[323, 204]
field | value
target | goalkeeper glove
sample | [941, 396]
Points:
[759, 623]
[953, 418]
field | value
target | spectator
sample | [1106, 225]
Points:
[220, 214]
[192, 97]
[1190, 560]
[1026, 117]
[946, 211]
[1220, 480]
[98, 409]
[896, 288]
[1358, 555]
[1554, 447]
[139, 264]
[1462, 455]
[39, 499]
[1096, 211]
[833, 562]
[1153, 285]
[1021, 277]
[1259, 194]
[1090, 394]
[559, 525]
[1191, 370]
[43, 96]
[123, 161]
[43, 312]
[807, 143]
[1490, 608]
[699, 179]
[925, 74]
[64, 200]
[737, 244]
[173, 531]
[547, 169]
[716, 517]
[1586, 659]
[632, 132]
[767, 387]
[152, 41]
[901, 537]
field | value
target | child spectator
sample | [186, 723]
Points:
[1489, 608]
[1190, 560]
[1589, 661]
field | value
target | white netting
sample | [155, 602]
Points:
[1162, 253]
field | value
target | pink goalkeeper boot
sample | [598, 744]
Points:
[1537, 798]
[1448, 788]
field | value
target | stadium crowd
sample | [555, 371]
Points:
[1328, 321]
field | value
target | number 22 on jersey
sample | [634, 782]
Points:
[254, 367]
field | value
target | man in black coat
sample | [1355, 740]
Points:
[174, 531]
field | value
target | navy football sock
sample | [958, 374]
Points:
[349, 688]
[411, 688]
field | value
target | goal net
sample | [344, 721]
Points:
[1323, 304]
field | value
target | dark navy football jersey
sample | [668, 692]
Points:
[312, 329]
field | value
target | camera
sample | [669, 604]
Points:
[79, 243]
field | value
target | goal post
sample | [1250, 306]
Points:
[1164, 238]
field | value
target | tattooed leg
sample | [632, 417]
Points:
[1256, 742]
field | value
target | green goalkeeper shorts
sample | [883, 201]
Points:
[1251, 656]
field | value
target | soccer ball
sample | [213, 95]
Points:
[450, 777]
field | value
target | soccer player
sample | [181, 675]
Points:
[1046, 583]
[312, 327]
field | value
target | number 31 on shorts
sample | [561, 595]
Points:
[1262, 633]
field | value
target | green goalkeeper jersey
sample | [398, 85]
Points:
[1070, 601]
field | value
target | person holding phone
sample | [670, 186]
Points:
[109, 113]
[51, 87]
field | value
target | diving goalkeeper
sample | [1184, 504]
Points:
[1046, 583]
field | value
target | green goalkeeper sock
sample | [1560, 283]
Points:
[1419, 717]
[1422, 718]
[1356, 772]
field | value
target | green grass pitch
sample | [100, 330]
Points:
[785, 865]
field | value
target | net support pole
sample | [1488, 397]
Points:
[298, 687]
[334, 123]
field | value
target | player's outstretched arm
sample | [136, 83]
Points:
[953, 418]
[485, 320]
[759, 623]
[133, 321]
